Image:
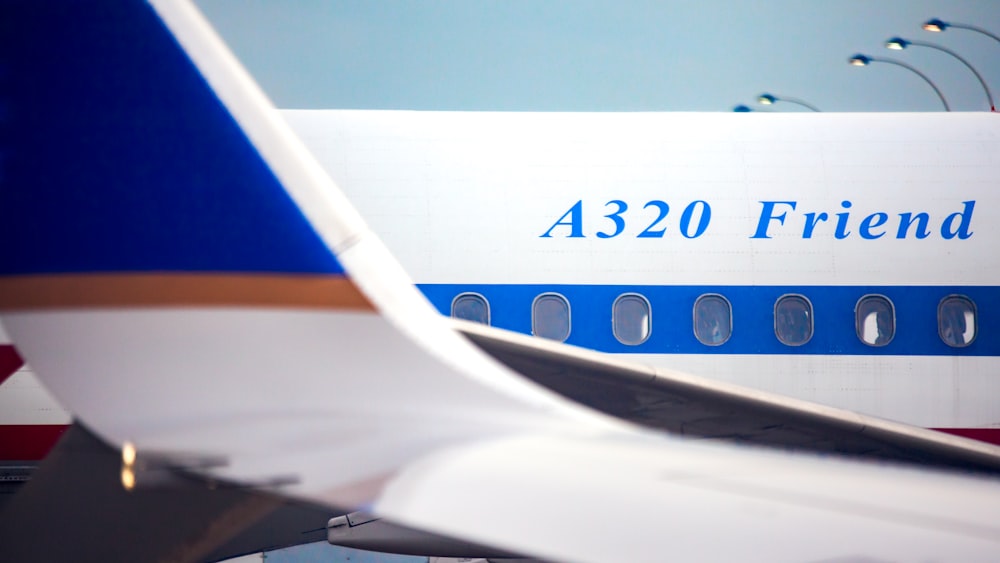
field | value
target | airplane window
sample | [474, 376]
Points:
[550, 317]
[631, 319]
[471, 307]
[713, 319]
[957, 321]
[875, 320]
[793, 320]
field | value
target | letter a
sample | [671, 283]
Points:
[575, 222]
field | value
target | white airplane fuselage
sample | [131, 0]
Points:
[673, 206]
[828, 209]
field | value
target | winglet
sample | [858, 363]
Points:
[184, 276]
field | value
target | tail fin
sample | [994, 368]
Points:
[140, 161]
[187, 278]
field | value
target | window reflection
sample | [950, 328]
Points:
[793, 320]
[471, 307]
[550, 317]
[631, 319]
[875, 320]
[957, 321]
[713, 319]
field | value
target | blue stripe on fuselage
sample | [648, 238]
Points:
[753, 317]
[115, 155]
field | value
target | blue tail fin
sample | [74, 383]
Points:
[117, 156]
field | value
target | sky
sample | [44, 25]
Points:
[589, 55]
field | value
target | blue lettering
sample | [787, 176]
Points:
[616, 217]
[870, 222]
[906, 219]
[842, 231]
[705, 217]
[811, 220]
[697, 216]
[948, 229]
[575, 222]
[767, 215]
[664, 209]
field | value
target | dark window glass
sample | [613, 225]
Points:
[713, 319]
[631, 319]
[957, 321]
[875, 320]
[471, 307]
[550, 317]
[793, 320]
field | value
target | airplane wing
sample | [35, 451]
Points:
[188, 281]
[704, 408]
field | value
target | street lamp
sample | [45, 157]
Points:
[742, 109]
[865, 60]
[766, 99]
[898, 44]
[938, 26]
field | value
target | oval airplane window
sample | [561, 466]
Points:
[550, 317]
[957, 321]
[875, 320]
[713, 319]
[471, 307]
[793, 320]
[631, 319]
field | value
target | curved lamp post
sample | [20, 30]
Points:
[865, 60]
[898, 44]
[938, 26]
[769, 99]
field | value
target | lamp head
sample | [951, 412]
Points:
[741, 109]
[128, 454]
[897, 44]
[935, 25]
[766, 99]
[859, 60]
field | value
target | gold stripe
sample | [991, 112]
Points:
[60, 291]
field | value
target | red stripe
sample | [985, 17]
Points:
[989, 435]
[28, 442]
[10, 361]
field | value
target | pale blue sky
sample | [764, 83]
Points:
[589, 55]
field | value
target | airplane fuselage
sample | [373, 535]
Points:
[855, 253]
[846, 259]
